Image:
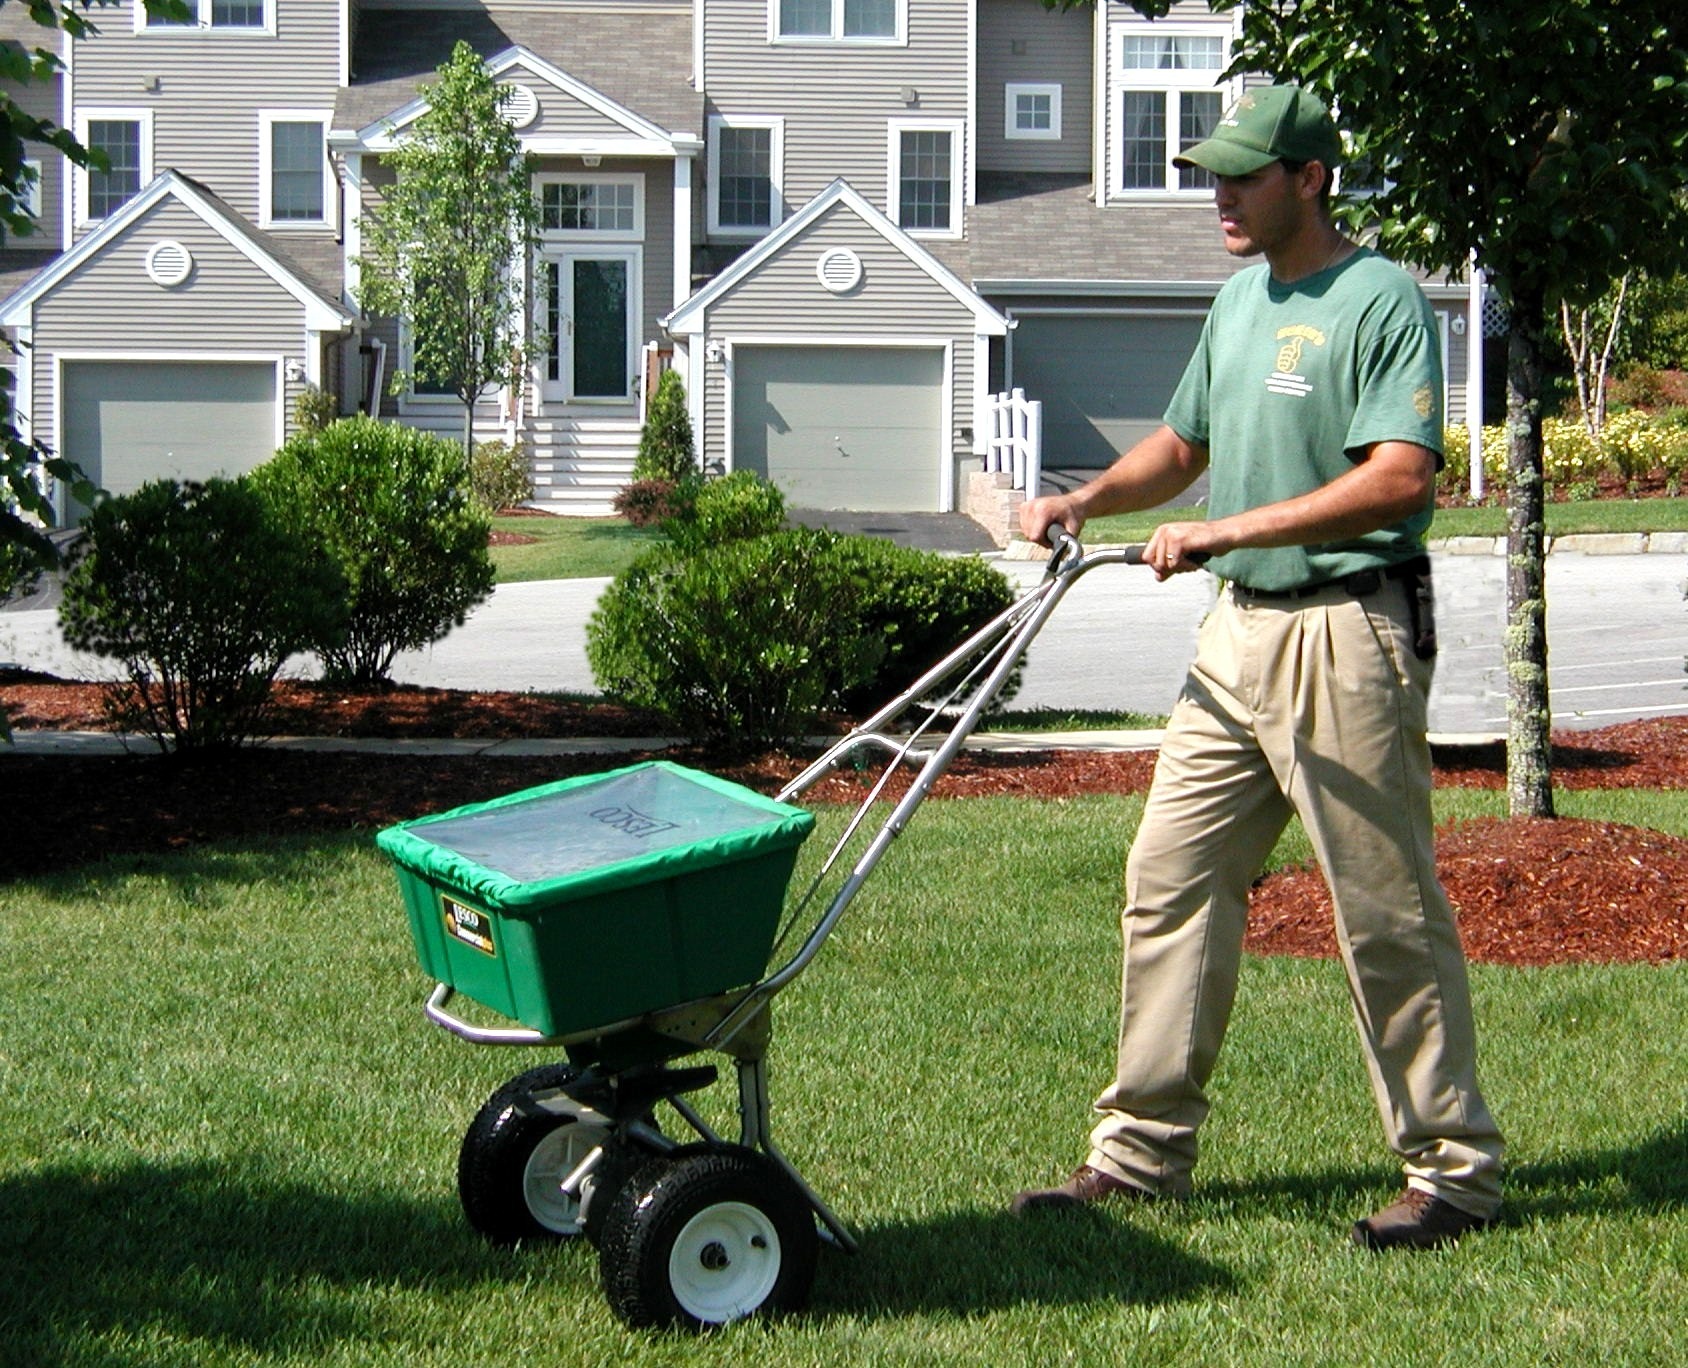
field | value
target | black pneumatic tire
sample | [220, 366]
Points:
[706, 1237]
[508, 1160]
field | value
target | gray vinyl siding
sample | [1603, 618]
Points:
[111, 307]
[838, 99]
[896, 300]
[41, 99]
[211, 85]
[1057, 49]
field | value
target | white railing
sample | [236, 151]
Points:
[1016, 440]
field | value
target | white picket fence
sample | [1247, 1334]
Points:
[1016, 440]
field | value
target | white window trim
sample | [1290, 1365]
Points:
[776, 174]
[267, 120]
[957, 129]
[96, 114]
[1012, 131]
[633, 178]
[897, 39]
[29, 198]
[1137, 81]
[144, 23]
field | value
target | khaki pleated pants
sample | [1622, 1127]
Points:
[1315, 706]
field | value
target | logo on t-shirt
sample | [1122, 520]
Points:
[1286, 376]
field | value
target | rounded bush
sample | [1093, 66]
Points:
[725, 509]
[202, 594]
[647, 503]
[751, 640]
[741, 642]
[498, 476]
[392, 507]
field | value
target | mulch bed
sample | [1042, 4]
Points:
[1527, 892]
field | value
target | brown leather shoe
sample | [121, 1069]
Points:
[1416, 1220]
[1086, 1187]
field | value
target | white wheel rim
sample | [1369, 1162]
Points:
[725, 1262]
[552, 1160]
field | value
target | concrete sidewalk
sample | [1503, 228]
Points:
[1618, 635]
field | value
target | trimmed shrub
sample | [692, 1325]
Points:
[726, 509]
[391, 507]
[739, 643]
[751, 640]
[201, 594]
[665, 442]
[498, 476]
[920, 605]
[645, 503]
[314, 408]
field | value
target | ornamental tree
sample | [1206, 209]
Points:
[442, 251]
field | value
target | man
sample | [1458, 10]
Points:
[1314, 402]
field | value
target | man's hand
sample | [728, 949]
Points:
[1037, 516]
[1179, 547]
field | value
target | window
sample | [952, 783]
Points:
[238, 15]
[29, 190]
[925, 181]
[295, 180]
[591, 206]
[124, 138]
[1033, 111]
[745, 170]
[839, 20]
[1167, 96]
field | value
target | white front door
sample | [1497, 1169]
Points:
[590, 298]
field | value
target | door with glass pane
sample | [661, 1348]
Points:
[590, 332]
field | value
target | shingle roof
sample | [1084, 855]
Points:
[642, 60]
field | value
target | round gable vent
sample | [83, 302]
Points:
[521, 105]
[840, 270]
[168, 263]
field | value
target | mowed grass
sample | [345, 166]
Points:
[228, 1136]
[589, 548]
[1563, 519]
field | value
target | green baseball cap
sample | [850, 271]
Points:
[1268, 124]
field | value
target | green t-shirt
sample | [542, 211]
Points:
[1287, 388]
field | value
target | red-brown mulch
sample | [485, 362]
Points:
[1526, 892]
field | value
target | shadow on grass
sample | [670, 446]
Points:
[1650, 1175]
[969, 1263]
[220, 1256]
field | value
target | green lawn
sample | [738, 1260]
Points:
[227, 1135]
[579, 548]
[1595, 515]
[568, 548]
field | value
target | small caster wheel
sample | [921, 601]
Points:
[512, 1163]
[705, 1237]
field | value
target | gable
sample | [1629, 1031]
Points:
[874, 272]
[173, 209]
[552, 110]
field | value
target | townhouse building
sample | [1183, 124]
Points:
[847, 223]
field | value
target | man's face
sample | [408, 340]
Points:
[1261, 211]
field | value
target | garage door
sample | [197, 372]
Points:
[127, 422]
[1104, 381]
[842, 427]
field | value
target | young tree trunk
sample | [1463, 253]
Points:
[1529, 752]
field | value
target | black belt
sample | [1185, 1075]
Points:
[1358, 585]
